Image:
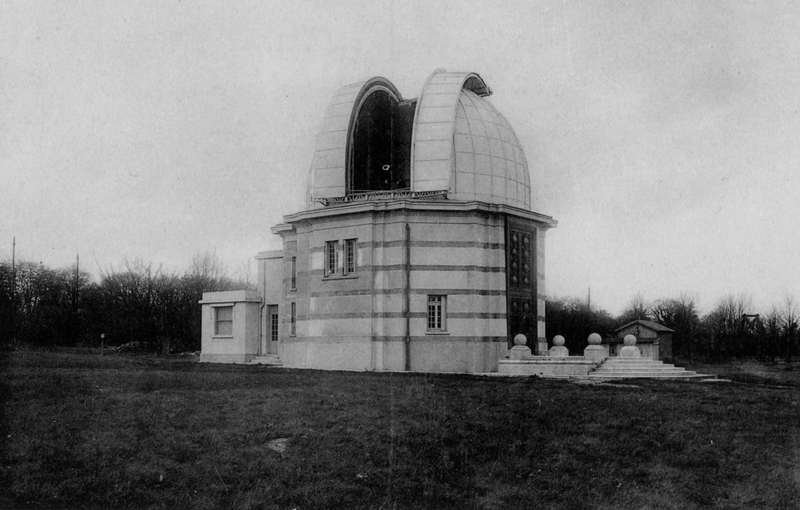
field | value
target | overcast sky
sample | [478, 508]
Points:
[663, 136]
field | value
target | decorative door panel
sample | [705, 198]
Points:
[521, 281]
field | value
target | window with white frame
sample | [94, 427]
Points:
[331, 257]
[350, 255]
[223, 320]
[437, 312]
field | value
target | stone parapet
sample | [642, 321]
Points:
[575, 367]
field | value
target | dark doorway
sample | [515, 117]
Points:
[381, 144]
[521, 300]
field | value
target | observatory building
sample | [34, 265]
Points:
[418, 249]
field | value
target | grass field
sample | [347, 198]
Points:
[141, 432]
[772, 374]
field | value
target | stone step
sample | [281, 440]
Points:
[633, 361]
[686, 375]
[648, 366]
[643, 362]
[642, 373]
[639, 371]
[639, 368]
[618, 359]
[266, 359]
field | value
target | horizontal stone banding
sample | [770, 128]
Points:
[396, 315]
[424, 338]
[422, 244]
[414, 267]
[399, 291]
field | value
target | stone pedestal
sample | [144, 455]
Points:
[558, 350]
[520, 350]
[630, 350]
[594, 351]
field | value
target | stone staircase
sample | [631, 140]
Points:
[642, 368]
[266, 359]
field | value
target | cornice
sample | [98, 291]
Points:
[352, 208]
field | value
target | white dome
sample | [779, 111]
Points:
[490, 165]
[461, 147]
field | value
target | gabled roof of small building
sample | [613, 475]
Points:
[647, 324]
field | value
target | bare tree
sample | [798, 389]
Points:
[207, 266]
[771, 333]
[679, 314]
[729, 335]
[637, 309]
[133, 301]
[245, 277]
[788, 316]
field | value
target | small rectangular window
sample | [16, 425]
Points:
[293, 319]
[331, 257]
[437, 312]
[350, 256]
[223, 320]
[293, 282]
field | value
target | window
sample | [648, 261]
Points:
[331, 257]
[293, 320]
[293, 282]
[223, 320]
[349, 256]
[437, 313]
[347, 250]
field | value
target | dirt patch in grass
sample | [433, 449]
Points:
[124, 432]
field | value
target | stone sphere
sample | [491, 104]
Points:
[558, 340]
[629, 340]
[595, 339]
[520, 339]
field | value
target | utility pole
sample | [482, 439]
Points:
[77, 297]
[13, 289]
[75, 288]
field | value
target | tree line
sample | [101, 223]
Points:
[134, 302]
[141, 302]
[732, 330]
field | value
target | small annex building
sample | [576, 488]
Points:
[652, 338]
[419, 248]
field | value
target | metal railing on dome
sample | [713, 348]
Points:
[380, 195]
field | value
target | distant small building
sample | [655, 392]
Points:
[654, 339]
